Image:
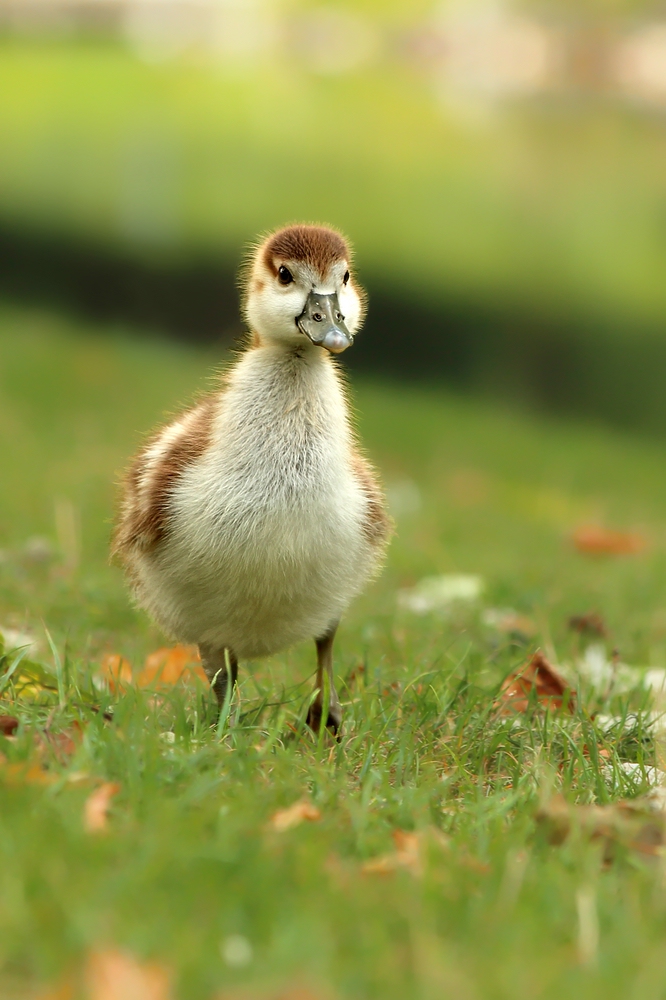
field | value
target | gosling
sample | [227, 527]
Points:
[250, 522]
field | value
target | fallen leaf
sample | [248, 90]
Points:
[115, 975]
[406, 855]
[592, 539]
[171, 664]
[116, 671]
[286, 819]
[63, 744]
[589, 624]
[8, 725]
[601, 752]
[97, 805]
[637, 824]
[537, 681]
[28, 772]
[355, 674]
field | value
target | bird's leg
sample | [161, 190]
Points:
[333, 713]
[221, 669]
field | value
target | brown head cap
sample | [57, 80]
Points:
[317, 246]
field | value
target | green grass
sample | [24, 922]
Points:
[189, 857]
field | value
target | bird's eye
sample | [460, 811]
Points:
[285, 276]
[346, 278]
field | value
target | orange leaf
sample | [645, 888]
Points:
[115, 975]
[590, 623]
[285, 819]
[8, 725]
[539, 676]
[171, 664]
[116, 671]
[96, 808]
[406, 855]
[26, 773]
[62, 744]
[595, 541]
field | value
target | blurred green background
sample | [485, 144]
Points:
[499, 167]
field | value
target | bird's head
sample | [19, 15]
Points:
[299, 290]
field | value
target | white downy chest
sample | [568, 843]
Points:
[267, 545]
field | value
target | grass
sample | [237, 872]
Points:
[189, 858]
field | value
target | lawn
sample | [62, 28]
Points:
[419, 868]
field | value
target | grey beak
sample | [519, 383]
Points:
[324, 324]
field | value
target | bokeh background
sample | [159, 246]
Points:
[500, 168]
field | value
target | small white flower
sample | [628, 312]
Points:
[595, 665]
[655, 680]
[439, 593]
[596, 668]
[15, 639]
[637, 772]
[236, 951]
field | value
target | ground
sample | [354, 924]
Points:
[416, 865]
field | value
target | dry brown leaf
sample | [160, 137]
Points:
[591, 624]
[62, 745]
[537, 679]
[286, 819]
[594, 540]
[97, 805]
[171, 664]
[8, 725]
[115, 975]
[355, 674]
[116, 671]
[634, 824]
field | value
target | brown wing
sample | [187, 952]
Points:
[144, 507]
[377, 526]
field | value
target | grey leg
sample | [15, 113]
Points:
[222, 677]
[333, 714]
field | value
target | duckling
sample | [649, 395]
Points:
[250, 522]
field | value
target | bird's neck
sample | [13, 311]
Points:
[303, 351]
[289, 380]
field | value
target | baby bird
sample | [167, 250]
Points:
[251, 521]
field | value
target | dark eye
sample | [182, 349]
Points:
[285, 276]
[346, 277]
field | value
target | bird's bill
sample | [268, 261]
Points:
[322, 321]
